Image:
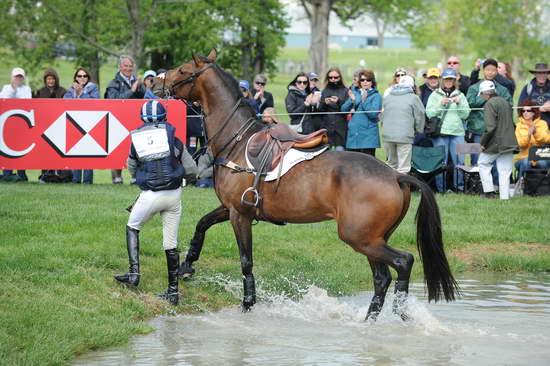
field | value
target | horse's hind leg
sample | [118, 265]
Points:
[242, 225]
[382, 278]
[402, 262]
[216, 216]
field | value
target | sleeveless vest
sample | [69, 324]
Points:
[159, 168]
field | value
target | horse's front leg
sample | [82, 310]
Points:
[242, 225]
[382, 278]
[216, 216]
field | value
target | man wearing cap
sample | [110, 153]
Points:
[498, 142]
[315, 121]
[476, 122]
[431, 84]
[403, 118]
[263, 98]
[125, 85]
[538, 90]
[16, 89]
[464, 81]
[156, 160]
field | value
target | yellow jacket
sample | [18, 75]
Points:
[540, 137]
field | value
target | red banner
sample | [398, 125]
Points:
[73, 133]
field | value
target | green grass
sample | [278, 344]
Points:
[61, 244]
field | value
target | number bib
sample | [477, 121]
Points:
[151, 144]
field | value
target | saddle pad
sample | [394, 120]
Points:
[291, 158]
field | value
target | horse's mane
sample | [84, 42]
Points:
[228, 79]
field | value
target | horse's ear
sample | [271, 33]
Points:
[196, 59]
[212, 55]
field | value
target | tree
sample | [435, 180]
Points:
[254, 36]
[502, 29]
[399, 14]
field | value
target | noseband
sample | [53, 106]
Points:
[190, 79]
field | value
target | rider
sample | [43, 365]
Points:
[157, 159]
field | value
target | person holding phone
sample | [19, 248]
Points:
[82, 88]
[332, 98]
[363, 135]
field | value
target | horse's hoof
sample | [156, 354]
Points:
[371, 317]
[185, 272]
[248, 303]
[405, 317]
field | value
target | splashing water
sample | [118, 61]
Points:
[497, 322]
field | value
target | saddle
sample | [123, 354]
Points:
[272, 143]
[267, 148]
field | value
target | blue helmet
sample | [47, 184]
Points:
[153, 111]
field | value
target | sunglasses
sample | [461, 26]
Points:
[363, 80]
[452, 63]
[301, 82]
[334, 77]
[259, 83]
[399, 75]
[81, 76]
[528, 111]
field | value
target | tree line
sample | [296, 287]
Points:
[250, 34]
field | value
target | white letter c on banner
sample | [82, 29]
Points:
[28, 117]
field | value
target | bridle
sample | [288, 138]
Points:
[191, 79]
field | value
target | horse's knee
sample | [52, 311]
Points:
[403, 265]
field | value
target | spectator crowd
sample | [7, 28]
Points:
[359, 117]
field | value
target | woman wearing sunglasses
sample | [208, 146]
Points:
[531, 130]
[363, 135]
[398, 74]
[298, 99]
[82, 88]
[332, 98]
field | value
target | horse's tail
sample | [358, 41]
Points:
[429, 240]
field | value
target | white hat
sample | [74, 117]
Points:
[17, 71]
[485, 86]
[407, 80]
[149, 73]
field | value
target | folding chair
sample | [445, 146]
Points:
[537, 181]
[427, 163]
[472, 181]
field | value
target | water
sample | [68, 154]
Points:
[500, 320]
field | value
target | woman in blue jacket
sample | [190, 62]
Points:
[363, 135]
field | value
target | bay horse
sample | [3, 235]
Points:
[367, 198]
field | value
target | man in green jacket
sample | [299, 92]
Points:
[497, 143]
[476, 123]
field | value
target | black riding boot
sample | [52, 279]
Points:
[132, 241]
[172, 263]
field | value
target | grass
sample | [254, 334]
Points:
[61, 244]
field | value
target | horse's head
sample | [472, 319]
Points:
[181, 82]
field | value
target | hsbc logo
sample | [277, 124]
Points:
[72, 134]
[85, 133]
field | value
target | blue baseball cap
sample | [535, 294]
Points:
[244, 84]
[449, 74]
